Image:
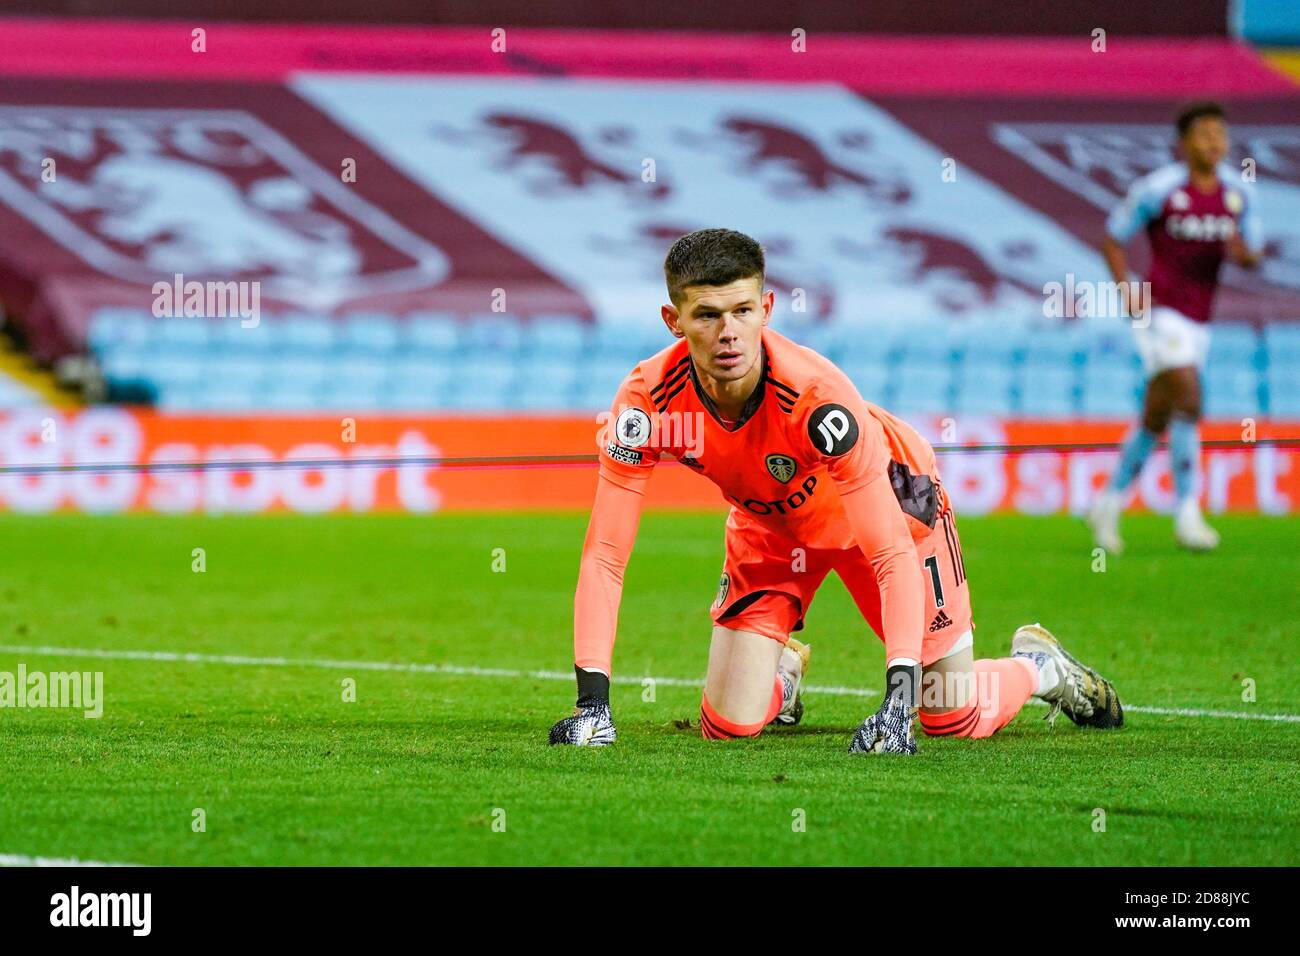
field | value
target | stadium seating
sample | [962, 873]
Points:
[429, 361]
[14, 395]
[871, 378]
[1281, 383]
[1231, 390]
[1110, 388]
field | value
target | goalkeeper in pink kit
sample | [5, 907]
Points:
[819, 480]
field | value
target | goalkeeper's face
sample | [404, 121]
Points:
[722, 325]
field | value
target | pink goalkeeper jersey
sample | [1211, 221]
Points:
[810, 461]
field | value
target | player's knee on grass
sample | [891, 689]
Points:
[948, 684]
[742, 692]
[951, 723]
[974, 699]
[714, 726]
[949, 697]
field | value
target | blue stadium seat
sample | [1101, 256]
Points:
[242, 372]
[1282, 342]
[492, 333]
[871, 379]
[487, 400]
[804, 331]
[488, 373]
[979, 356]
[555, 335]
[1110, 388]
[178, 373]
[1231, 390]
[233, 337]
[640, 334]
[1105, 340]
[114, 328]
[546, 384]
[529, 400]
[922, 385]
[1116, 373]
[430, 333]
[931, 338]
[1046, 390]
[225, 395]
[1287, 405]
[481, 384]
[13, 395]
[361, 371]
[854, 344]
[418, 382]
[1108, 405]
[353, 394]
[1050, 348]
[1283, 381]
[306, 333]
[412, 399]
[984, 389]
[293, 395]
[988, 344]
[938, 368]
[181, 335]
[302, 371]
[631, 340]
[182, 399]
[866, 352]
[649, 336]
[1234, 344]
[420, 370]
[368, 334]
[126, 363]
[624, 343]
[599, 383]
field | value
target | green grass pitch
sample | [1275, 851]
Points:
[425, 767]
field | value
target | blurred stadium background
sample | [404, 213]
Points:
[454, 217]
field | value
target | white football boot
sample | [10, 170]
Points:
[1103, 518]
[1085, 696]
[791, 668]
[1190, 529]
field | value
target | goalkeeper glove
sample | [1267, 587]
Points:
[889, 729]
[591, 725]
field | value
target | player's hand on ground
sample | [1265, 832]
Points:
[890, 729]
[590, 726]
[887, 731]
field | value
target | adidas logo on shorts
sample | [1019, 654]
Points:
[940, 621]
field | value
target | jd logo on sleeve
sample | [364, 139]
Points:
[833, 430]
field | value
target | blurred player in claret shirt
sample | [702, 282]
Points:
[819, 480]
[1195, 213]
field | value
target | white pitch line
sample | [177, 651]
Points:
[1196, 712]
[460, 670]
[457, 670]
[17, 859]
